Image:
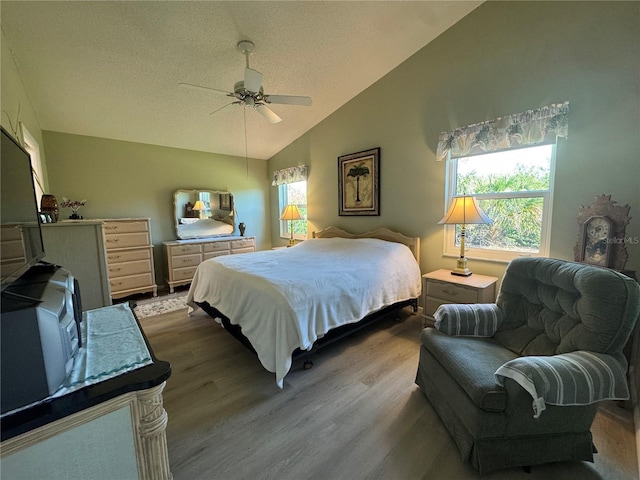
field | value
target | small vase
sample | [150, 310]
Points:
[75, 216]
[49, 205]
[242, 227]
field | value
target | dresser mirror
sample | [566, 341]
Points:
[203, 213]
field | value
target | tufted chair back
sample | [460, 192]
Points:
[553, 306]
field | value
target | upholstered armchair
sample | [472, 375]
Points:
[516, 383]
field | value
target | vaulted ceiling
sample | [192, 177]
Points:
[111, 69]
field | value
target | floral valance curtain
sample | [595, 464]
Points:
[527, 128]
[290, 175]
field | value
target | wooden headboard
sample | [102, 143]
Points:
[381, 233]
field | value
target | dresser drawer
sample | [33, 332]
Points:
[243, 250]
[111, 227]
[186, 249]
[244, 243]
[183, 273]
[451, 292]
[129, 255]
[126, 240]
[11, 233]
[129, 268]
[431, 305]
[209, 255]
[215, 246]
[130, 282]
[12, 249]
[186, 261]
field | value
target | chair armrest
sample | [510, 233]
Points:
[477, 319]
[576, 378]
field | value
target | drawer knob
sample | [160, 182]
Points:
[114, 269]
[450, 292]
[114, 257]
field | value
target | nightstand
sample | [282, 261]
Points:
[441, 287]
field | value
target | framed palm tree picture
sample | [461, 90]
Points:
[359, 183]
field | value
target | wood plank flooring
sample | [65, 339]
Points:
[356, 414]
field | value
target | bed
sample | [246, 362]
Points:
[282, 301]
[199, 227]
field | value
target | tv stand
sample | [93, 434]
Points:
[122, 418]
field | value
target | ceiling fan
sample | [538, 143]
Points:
[249, 92]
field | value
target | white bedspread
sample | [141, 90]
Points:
[288, 298]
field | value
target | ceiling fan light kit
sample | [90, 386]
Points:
[249, 92]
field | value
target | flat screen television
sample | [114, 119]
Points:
[20, 234]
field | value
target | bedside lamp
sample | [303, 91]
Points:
[464, 210]
[199, 206]
[291, 213]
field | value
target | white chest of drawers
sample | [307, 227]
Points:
[129, 256]
[183, 256]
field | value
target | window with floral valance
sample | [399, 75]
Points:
[520, 129]
[292, 190]
[508, 165]
[290, 175]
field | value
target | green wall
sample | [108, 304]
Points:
[125, 179]
[16, 105]
[503, 58]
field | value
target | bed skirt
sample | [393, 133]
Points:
[327, 339]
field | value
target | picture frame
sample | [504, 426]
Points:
[359, 183]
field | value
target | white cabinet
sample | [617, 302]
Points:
[129, 256]
[441, 287]
[183, 256]
[79, 247]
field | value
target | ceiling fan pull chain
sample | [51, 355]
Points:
[246, 153]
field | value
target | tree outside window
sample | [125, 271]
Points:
[514, 188]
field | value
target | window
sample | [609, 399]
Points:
[514, 188]
[33, 149]
[294, 194]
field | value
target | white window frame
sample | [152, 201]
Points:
[452, 250]
[33, 149]
[282, 203]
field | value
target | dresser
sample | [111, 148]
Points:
[183, 256]
[129, 256]
[12, 252]
[440, 287]
[106, 426]
[79, 246]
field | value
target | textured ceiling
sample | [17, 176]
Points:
[112, 69]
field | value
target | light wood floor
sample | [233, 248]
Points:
[356, 415]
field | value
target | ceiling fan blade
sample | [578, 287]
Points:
[252, 80]
[267, 113]
[224, 106]
[199, 87]
[288, 100]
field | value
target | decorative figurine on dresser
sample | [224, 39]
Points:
[211, 233]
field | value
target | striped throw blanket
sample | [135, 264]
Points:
[577, 378]
[478, 320]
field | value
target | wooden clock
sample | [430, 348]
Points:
[601, 233]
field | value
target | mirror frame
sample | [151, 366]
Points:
[212, 222]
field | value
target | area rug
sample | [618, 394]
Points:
[161, 306]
